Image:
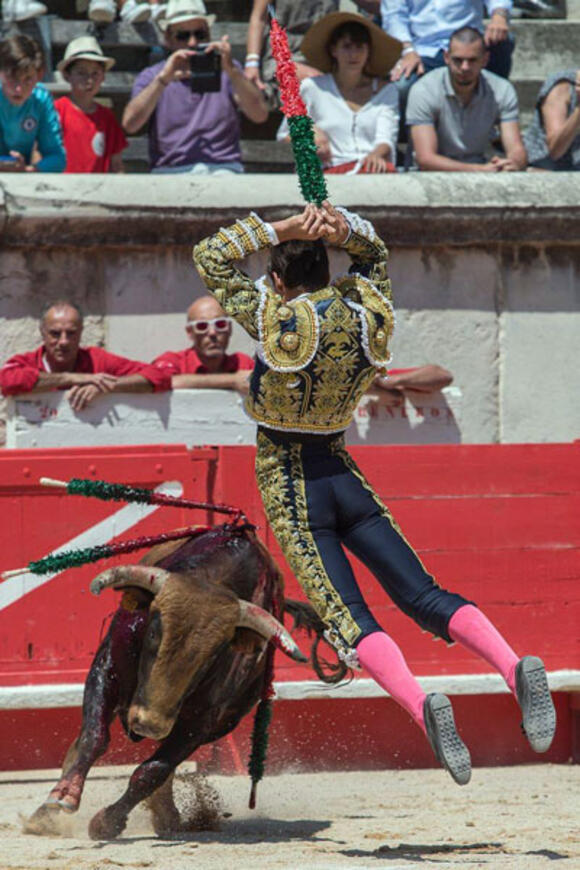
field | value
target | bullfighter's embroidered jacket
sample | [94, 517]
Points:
[319, 353]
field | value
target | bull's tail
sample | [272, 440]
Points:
[304, 616]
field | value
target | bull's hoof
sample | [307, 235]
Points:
[66, 795]
[106, 825]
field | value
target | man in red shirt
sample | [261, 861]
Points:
[60, 363]
[206, 365]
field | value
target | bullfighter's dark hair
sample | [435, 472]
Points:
[20, 54]
[61, 303]
[300, 263]
[468, 35]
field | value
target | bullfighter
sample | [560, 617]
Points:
[320, 345]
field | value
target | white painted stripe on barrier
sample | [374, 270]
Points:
[116, 524]
[55, 695]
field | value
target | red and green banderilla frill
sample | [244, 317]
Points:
[310, 175]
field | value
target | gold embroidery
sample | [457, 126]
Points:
[281, 482]
[289, 341]
[318, 340]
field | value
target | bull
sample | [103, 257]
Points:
[184, 659]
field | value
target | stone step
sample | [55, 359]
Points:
[257, 155]
[226, 10]
[543, 47]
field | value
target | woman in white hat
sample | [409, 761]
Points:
[353, 106]
[93, 138]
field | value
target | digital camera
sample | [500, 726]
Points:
[206, 70]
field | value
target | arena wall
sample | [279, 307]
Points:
[485, 270]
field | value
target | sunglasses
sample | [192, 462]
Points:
[185, 35]
[220, 324]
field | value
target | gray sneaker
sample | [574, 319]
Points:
[535, 700]
[446, 743]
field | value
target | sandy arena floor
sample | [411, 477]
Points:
[517, 817]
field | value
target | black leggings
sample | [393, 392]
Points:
[316, 501]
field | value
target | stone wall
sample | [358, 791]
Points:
[485, 270]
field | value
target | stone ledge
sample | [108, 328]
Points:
[409, 210]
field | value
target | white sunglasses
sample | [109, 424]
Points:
[220, 324]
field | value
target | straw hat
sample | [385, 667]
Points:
[185, 10]
[384, 53]
[84, 48]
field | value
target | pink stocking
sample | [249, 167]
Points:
[475, 632]
[384, 661]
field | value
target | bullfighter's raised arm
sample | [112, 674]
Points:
[242, 298]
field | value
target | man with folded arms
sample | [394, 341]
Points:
[60, 363]
[206, 363]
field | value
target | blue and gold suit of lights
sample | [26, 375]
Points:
[317, 355]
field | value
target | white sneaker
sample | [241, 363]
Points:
[22, 10]
[158, 11]
[134, 12]
[102, 11]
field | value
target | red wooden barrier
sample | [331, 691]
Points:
[500, 524]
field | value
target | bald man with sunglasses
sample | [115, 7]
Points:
[206, 364]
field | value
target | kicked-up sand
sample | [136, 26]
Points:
[525, 817]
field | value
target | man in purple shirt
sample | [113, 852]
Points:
[191, 131]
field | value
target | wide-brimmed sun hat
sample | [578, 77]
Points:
[384, 50]
[185, 10]
[84, 48]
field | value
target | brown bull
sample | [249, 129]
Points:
[185, 658]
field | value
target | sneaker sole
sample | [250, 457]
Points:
[447, 745]
[535, 700]
[140, 18]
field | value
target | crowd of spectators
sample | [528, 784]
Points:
[60, 362]
[430, 75]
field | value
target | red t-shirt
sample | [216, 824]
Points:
[187, 362]
[20, 373]
[90, 140]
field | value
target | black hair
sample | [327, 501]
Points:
[20, 54]
[357, 32]
[60, 303]
[301, 264]
[468, 35]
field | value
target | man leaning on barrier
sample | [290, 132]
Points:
[60, 363]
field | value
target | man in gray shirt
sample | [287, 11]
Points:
[452, 112]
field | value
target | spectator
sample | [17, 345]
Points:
[206, 364]
[130, 11]
[28, 119]
[93, 138]
[296, 18]
[22, 10]
[191, 131]
[60, 363]
[354, 108]
[425, 27]
[390, 390]
[453, 110]
[553, 138]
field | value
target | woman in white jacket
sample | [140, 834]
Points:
[353, 107]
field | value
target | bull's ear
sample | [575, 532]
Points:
[247, 641]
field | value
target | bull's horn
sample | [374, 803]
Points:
[262, 622]
[145, 576]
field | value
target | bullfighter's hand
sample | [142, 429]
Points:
[337, 228]
[82, 395]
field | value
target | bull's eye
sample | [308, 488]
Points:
[153, 636]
